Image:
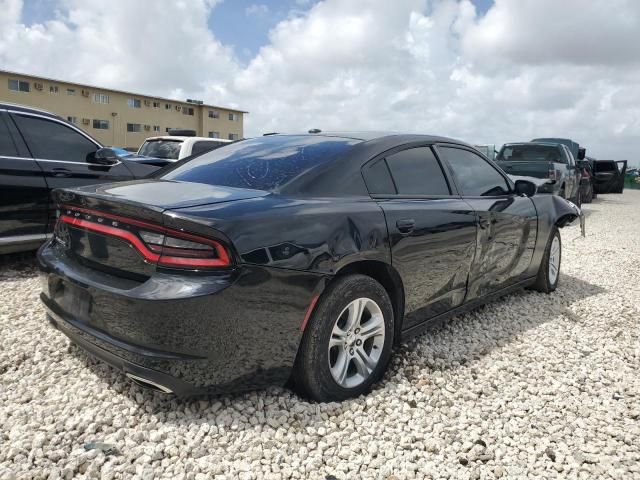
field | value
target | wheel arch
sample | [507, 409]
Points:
[389, 278]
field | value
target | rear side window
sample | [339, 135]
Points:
[416, 171]
[264, 163]
[50, 140]
[7, 147]
[474, 176]
[606, 166]
[200, 147]
[378, 178]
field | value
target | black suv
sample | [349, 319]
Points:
[40, 151]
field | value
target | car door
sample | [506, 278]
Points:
[24, 196]
[608, 177]
[573, 174]
[507, 222]
[432, 231]
[65, 154]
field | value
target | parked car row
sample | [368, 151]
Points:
[40, 152]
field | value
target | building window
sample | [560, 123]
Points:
[18, 85]
[71, 91]
[101, 124]
[167, 106]
[156, 128]
[214, 114]
[233, 136]
[187, 110]
[73, 120]
[156, 104]
[100, 98]
[53, 89]
[134, 127]
[233, 117]
[214, 134]
[134, 102]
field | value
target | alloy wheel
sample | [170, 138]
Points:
[554, 260]
[356, 343]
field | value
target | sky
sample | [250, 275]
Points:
[483, 71]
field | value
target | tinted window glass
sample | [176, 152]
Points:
[378, 178]
[265, 163]
[169, 149]
[200, 147]
[530, 153]
[54, 141]
[473, 175]
[417, 172]
[604, 166]
[6, 143]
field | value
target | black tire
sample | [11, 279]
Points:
[561, 193]
[312, 375]
[543, 282]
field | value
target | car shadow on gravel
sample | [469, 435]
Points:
[469, 337]
[448, 347]
[18, 265]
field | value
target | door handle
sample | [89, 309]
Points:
[61, 172]
[406, 225]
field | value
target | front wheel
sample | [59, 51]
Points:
[549, 272]
[347, 343]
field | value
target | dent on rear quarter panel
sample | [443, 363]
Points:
[316, 235]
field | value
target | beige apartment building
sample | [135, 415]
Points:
[118, 118]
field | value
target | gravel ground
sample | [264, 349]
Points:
[534, 385]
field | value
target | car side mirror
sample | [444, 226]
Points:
[525, 187]
[104, 156]
[581, 153]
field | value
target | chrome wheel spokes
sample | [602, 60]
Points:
[356, 342]
[554, 260]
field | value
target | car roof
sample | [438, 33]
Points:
[26, 109]
[549, 144]
[366, 136]
[179, 138]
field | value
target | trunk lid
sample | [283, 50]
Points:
[119, 228]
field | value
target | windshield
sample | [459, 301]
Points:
[169, 149]
[264, 163]
[530, 153]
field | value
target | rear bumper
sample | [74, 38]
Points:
[191, 334]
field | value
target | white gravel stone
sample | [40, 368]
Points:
[533, 385]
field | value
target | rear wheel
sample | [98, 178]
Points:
[347, 343]
[549, 272]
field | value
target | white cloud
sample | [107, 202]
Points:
[527, 68]
[257, 9]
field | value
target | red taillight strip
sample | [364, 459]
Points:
[221, 261]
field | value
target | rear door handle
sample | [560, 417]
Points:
[406, 225]
[61, 172]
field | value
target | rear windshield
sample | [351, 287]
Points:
[264, 163]
[531, 153]
[169, 149]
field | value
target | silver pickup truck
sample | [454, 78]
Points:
[551, 161]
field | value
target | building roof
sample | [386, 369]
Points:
[86, 85]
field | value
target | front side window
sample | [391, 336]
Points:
[18, 85]
[416, 171]
[100, 98]
[101, 124]
[474, 176]
[134, 103]
[134, 127]
[51, 140]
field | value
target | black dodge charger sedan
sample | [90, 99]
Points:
[292, 256]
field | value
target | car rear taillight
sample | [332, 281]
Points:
[552, 174]
[156, 244]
